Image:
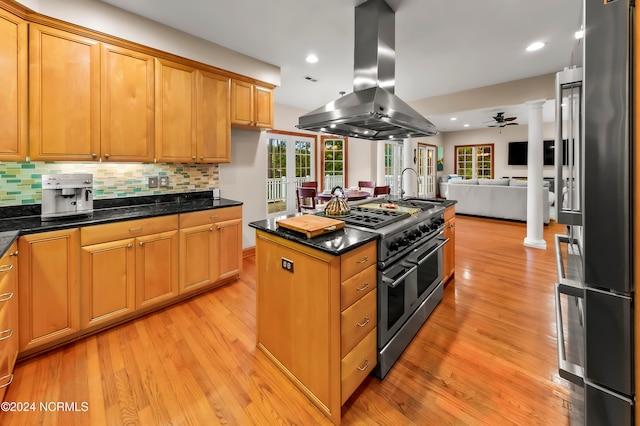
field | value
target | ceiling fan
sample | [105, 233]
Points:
[499, 120]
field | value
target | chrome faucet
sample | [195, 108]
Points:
[417, 180]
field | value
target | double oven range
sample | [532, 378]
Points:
[410, 270]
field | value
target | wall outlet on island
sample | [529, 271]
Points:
[153, 181]
[164, 181]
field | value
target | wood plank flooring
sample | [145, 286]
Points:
[486, 356]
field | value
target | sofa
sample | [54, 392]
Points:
[496, 198]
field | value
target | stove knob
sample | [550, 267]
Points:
[393, 245]
[424, 228]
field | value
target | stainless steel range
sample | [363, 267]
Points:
[409, 268]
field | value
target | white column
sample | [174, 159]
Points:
[535, 205]
[409, 177]
[380, 163]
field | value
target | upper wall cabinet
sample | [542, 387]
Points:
[64, 95]
[214, 118]
[251, 105]
[13, 81]
[127, 103]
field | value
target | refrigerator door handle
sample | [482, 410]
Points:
[568, 370]
[573, 249]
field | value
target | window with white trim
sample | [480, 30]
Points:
[474, 161]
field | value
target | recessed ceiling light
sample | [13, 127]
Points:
[453, 118]
[535, 46]
[579, 34]
[466, 125]
[312, 59]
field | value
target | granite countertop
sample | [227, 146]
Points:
[335, 243]
[13, 224]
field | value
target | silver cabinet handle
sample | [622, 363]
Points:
[107, 156]
[213, 217]
[364, 287]
[6, 268]
[202, 157]
[363, 260]
[5, 296]
[15, 253]
[133, 230]
[211, 229]
[366, 321]
[129, 245]
[193, 157]
[10, 377]
[366, 364]
[4, 335]
[141, 243]
[94, 155]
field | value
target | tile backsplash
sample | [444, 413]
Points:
[20, 183]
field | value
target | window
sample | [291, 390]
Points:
[334, 162]
[392, 165]
[474, 161]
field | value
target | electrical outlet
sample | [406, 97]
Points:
[287, 264]
[164, 181]
[153, 181]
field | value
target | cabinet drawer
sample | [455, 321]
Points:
[357, 286]
[210, 216]
[357, 321]
[449, 213]
[357, 260]
[6, 370]
[357, 365]
[132, 228]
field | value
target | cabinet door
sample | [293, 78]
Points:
[64, 95]
[214, 118]
[175, 112]
[264, 107]
[449, 250]
[8, 316]
[127, 116]
[228, 243]
[242, 103]
[49, 300]
[13, 80]
[156, 268]
[108, 281]
[196, 257]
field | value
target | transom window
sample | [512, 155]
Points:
[474, 161]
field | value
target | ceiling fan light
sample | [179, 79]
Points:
[535, 46]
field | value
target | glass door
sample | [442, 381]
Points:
[334, 162]
[290, 161]
[427, 166]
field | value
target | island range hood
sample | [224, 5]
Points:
[372, 111]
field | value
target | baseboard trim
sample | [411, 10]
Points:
[248, 252]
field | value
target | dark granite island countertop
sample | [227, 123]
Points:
[13, 224]
[335, 243]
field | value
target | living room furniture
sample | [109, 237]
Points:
[495, 198]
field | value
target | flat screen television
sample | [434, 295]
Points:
[518, 154]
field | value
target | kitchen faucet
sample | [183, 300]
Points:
[417, 180]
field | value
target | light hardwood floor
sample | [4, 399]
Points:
[486, 356]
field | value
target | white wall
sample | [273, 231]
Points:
[500, 141]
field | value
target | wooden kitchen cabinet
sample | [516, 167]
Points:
[127, 105]
[14, 93]
[8, 316]
[317, 318]
[64, 95]
[251, 105]
[49, 297]
[175, 112]
[127, 266]
[213, 142]
[210, 247]
[449, 249]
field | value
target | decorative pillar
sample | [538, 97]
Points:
[535, 205]
[409, 178]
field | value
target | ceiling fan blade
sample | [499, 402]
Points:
[510, 118]
[511, 124]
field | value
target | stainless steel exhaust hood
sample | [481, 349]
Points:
[372, 111]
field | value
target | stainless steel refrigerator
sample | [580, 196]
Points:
[594, 171]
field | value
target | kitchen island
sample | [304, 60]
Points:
[316, 309]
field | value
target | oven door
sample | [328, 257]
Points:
[429, 260]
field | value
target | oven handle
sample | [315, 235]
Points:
[394, 283]
[432, 251]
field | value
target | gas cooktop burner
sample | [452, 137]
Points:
[420, 204]
[370, 218]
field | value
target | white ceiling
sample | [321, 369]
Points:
[442, 46]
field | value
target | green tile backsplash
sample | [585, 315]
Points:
[20, 183]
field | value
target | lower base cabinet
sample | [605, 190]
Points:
[316, 320]
[49, 297]
[449, 249]
[8, 316]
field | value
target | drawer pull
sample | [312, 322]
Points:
[133, 230]
[5, 268]
[15, 253]
[364, 287]
[363, 260]
[366, 364]
[213, 217]
[362, 324]
[129, 245]
[141, 243]
[4, 335]
[210, 229]
[5, 296]
[10, 377]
